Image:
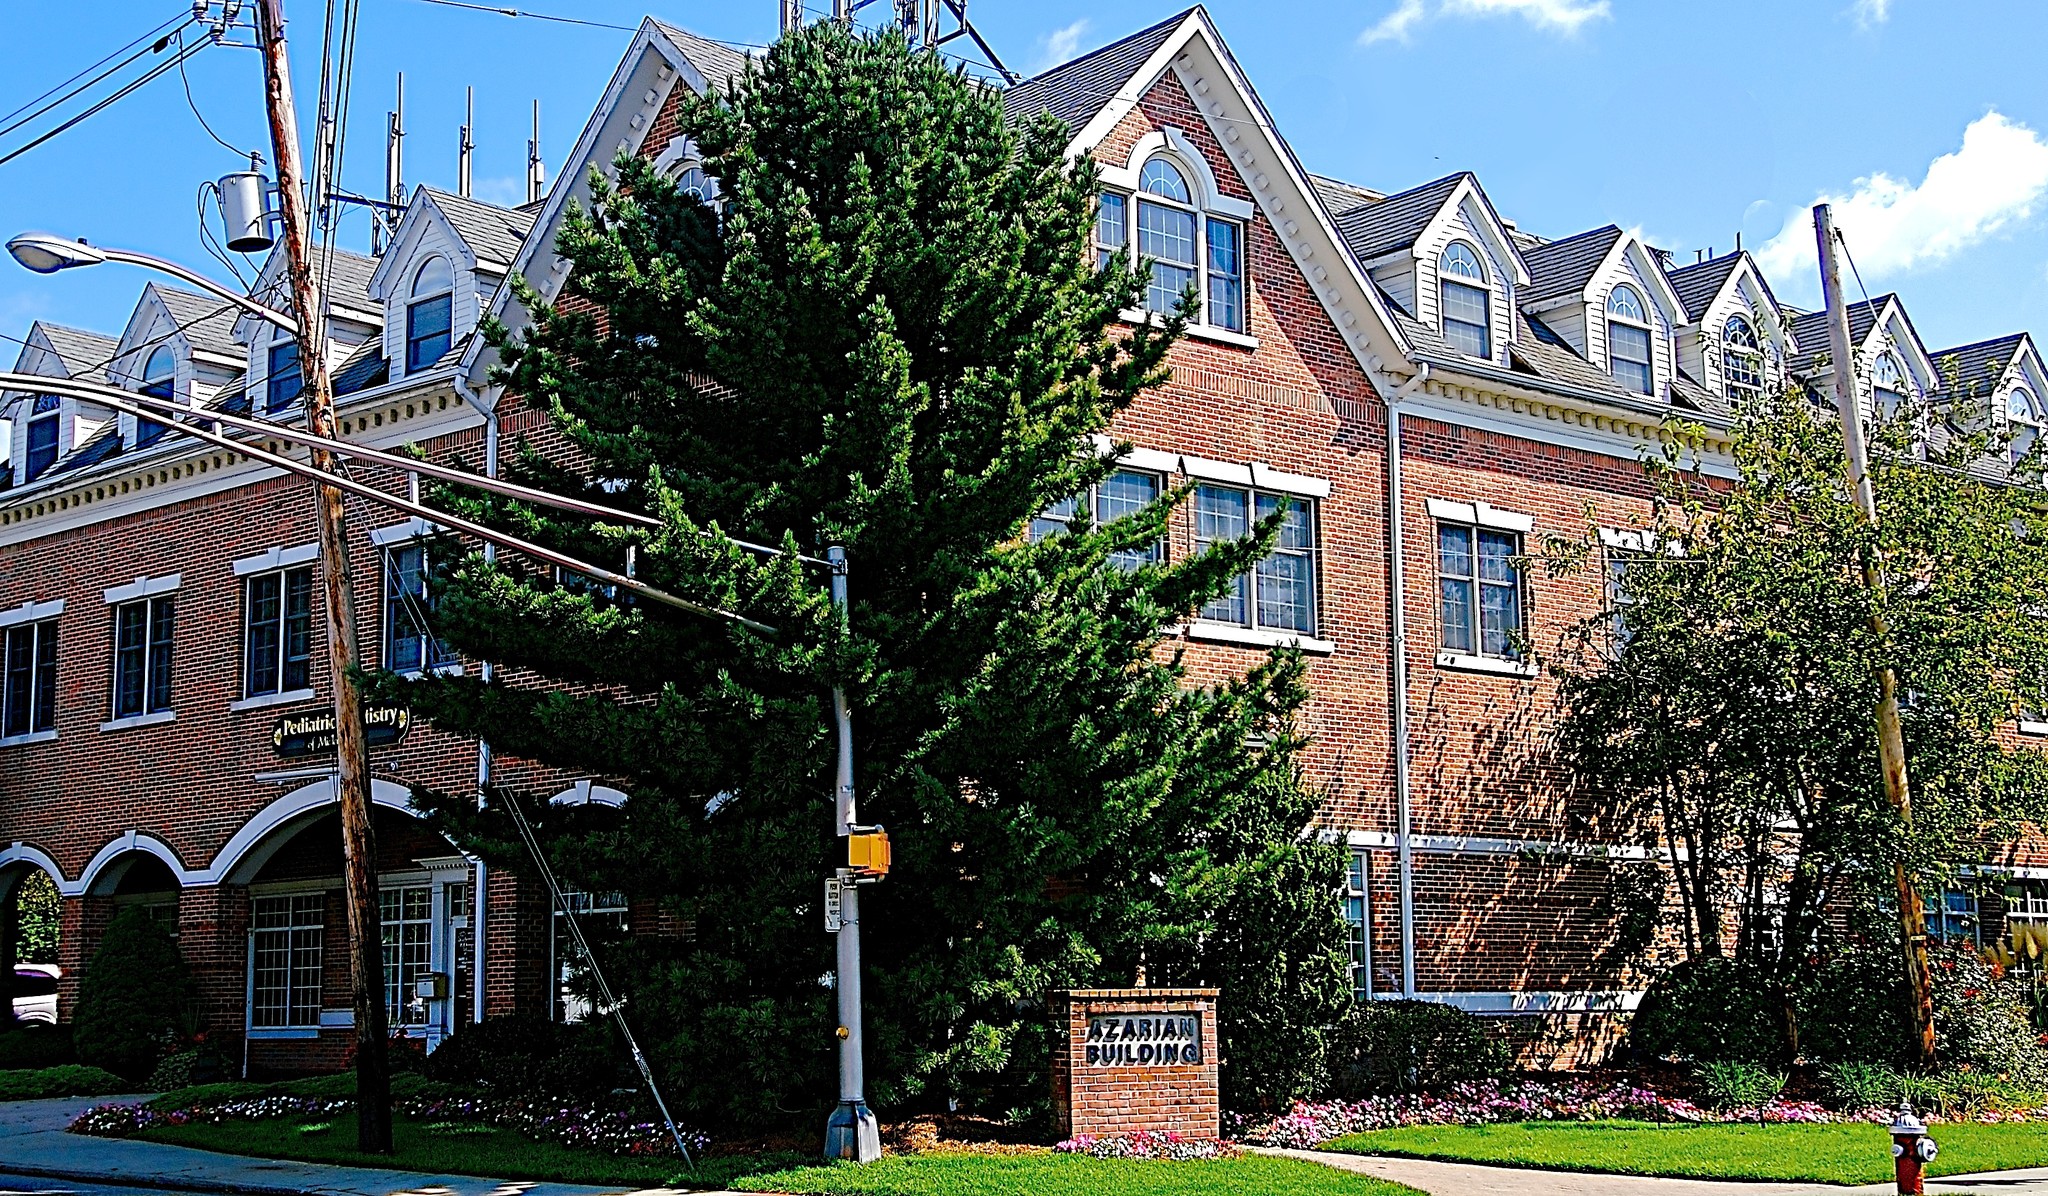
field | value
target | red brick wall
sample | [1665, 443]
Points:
[1094, 1100]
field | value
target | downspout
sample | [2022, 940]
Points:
[1397, 605]
[483, 775]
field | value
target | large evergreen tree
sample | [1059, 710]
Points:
[889, 334]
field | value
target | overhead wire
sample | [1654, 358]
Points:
[151, 36]
[149, 77]
[200, 116]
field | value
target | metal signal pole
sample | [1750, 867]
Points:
[1891, 740]
[851, 1133]
[352, 772]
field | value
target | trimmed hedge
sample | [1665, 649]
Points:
[132, 1001]
[532, 1056]
[1405, 1046]
[69, 1080]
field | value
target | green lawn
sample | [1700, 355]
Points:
[464, 1148]
[1838, 1154]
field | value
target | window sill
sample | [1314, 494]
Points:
[31, 737]
[281, 1033]
[1207, 332]
[439, 670]
[1226, 633]
[2031, 727]
[1459, 662]
[139, 720]
[278, 699]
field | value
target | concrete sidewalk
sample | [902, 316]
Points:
[33, 1142]
[1471, 1179]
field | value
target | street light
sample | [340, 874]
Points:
[47, 253]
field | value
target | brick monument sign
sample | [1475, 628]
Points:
[1136, 1059]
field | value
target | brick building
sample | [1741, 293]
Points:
[157, 605]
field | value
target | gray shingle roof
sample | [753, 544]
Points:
[1699, 283]
[83, 353]
[1977, 367]
[366, 367]
[1393, 223]
[208, 323]
[1076, 90]
[1340, 197]
[1810, 331]
[492, 232]
[1565, 267]
[98, 447]
[718, 63]
[350, 281]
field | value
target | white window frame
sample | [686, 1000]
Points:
[1250, 629]
[2025, 425]
[420, 534]
[1206, 202]
[1646, 325]
[1732, 350]
[148, 594]
[1052, 522]
[1478, 517]
[1448, 277]
[310, 1020]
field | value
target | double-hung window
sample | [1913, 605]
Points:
[285, 969]
[410, 645]
[1467, 318]
[1278, 594]
[429, 315]
[1628, 341]
[1358, 925]
[1122, 493]
[42, 436]
[407, 914]
[159, 381]
[284, 378]
[278, 632]
[1479, 587]
[1742, 359]
[1183, 244]
[143, 633]
[1888, 386]
[28, 679]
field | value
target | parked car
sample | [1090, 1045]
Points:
[35, 992]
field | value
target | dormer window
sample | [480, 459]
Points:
[429, 315]
[2024, 416]
[1467, 319]
[1742, 358]
[42, 436]
[1888, 386]
[159, 381]
[1184, 244]
[1628, 341]
[283, 379]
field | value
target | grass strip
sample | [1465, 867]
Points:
[1855, 1153]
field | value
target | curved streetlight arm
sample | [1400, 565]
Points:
[151, 262]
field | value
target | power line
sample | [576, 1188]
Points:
[194, 106]
[152, 75]
[180, 21]
[537, 16]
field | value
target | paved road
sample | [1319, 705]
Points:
[1468, 1179]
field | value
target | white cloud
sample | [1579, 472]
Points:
[1059, 45]
[1872, 12]
[1557, 16]
[1994, 180]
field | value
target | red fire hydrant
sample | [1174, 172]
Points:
[1912, 1150]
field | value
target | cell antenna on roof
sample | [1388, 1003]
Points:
[1738, 240]
[792, 15]
[462, 153]
[536, 174]
[386, 221]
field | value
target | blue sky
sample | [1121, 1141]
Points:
[1925, 120]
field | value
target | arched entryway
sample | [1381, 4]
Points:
[31, 934]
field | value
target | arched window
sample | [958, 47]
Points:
[1182, 243]
[1742, 359]
[429, 316]
[159, 381]
[2024, 415]
[1467, 314]
[690, 179]
[1888, 386]
[283, 379]
[1628, 341]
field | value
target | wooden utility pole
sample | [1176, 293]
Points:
[1891, 740]
[352, 771]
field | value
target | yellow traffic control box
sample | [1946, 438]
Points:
[868, 853]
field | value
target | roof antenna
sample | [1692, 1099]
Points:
[1738, 240]
[536, 174]
[792, 16]
[394, 173]
[462, 153]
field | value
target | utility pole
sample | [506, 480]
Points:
[1891, 740]
[352, 758]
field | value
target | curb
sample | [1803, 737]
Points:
[155, 1183]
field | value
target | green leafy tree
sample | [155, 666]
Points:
[134, 999]
[1725, 708]
[36, 918]
[889, 334]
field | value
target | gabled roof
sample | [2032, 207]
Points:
[493, 233]
[83, 353]
[718, 63]
[1566, 267]
[1810, 330]
[1699, 284]
[1077, 89]
[1374, 229]
[1981, 366]
[208, 324]
[1340, 197]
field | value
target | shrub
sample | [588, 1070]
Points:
[68, 1080]
[133, 998]
[1733, 1084]
[1981, 1020]
[1405, 1046]
[531, 1055]
[1711, 1010]
[33, 1045]
[1854, 1086]
[1854, 1008]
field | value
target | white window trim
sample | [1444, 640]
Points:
[140, 720]
[1210, 202]
[1459, 662]
[142, 587]
[278, 558]
[1264, 637]
[260, 701]
[32, 612]
[1207, 332]
[1479, 514]
[2032, 727]
[31, 737]
[399, 533]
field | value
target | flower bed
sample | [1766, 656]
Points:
[1144, 1144]
[612, 1130]
[1309, 1124]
